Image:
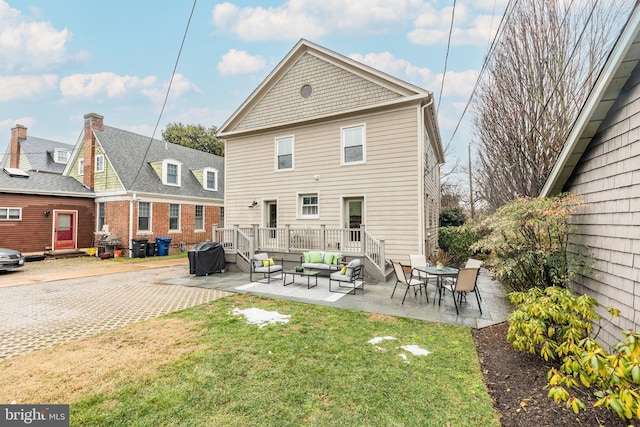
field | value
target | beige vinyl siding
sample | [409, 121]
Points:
[388, 181]
[334, 89]
[608, 177]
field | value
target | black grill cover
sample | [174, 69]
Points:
[206, 258]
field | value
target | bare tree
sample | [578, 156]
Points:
[538, 75]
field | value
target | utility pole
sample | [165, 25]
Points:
[471, 201]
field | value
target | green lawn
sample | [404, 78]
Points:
[319, 369]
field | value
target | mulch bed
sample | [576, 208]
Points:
[517, 383]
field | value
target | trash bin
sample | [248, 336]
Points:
[162, 243]
[151, 248]
[206, 258]
[138, 248]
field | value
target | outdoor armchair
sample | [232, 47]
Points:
[349, 277]
[263, 264]
[419, 261]
[466, 281]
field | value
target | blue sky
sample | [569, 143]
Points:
[60, 60]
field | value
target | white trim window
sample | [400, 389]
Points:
[174, 217]
[198, 215]
[61, 156]
[353, 144]
[284, 153]
[144, 216]
[210, 179]
[309, 205]
[171, 172]
[80, 167]
[10, 214]
[99, 163]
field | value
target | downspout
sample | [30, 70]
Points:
[423, 237]
[133, 199]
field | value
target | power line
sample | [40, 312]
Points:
[166, 97]
[446, 58]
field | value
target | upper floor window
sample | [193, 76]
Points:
[10, 214]
[284, 153]
[80, 167]
[174, 217]
[210, 179]
[144, 216]
[61, 156]
[309, 205]
[99, 163]
[353, 144]
[100, 216]
[171, 172]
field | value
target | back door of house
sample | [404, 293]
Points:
[64, 229]
[353, 211]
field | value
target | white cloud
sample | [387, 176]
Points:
[470, 27]
[313, 18]
[396, 67]
[240, 62]
[99, 84]
[458, 83]
[21, 87]
[28, 45]
[179, 86]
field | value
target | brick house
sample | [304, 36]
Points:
[146, 188]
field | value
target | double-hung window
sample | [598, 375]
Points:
[309, 205]
[99, 163]
[284, 153]
[199, 218]
[80, 167]
[210, 179]
[353, 144]
[171, 172]
[174, 217]
[100, 216]
[144, 216]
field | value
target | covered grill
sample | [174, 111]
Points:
[206, 258]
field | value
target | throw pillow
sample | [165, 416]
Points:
[268, 262]
[307, 256]
[315, 257]
[343, 270]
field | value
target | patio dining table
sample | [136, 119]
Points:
[440, 273]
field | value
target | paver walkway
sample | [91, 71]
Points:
[65, 303]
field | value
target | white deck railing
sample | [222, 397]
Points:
[349, 241]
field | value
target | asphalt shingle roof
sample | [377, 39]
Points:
[43, 183]
[39, 153]
[131, 156]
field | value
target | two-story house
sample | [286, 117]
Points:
[326, 141]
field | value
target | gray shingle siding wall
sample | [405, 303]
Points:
[608, 177]
[333, 90]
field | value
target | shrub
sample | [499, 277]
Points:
[529, 245]
[458, 241]
[555, 324]
[452, 217]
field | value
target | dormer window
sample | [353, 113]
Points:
[210, 179]
[61, 156]
[171, 172]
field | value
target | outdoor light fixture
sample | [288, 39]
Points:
[253, 204]
[47, 213]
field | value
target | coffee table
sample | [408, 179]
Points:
[308, 273]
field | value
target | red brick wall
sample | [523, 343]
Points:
[117, 216]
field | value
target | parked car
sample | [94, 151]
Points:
[10, 259]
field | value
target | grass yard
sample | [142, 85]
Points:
[209, 366]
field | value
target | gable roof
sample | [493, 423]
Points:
[131, 156]
[622, 60]
[324, 73]
[38, 153]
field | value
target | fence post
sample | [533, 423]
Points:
[256, 236]
[287, 237]
[363, 240]
[214, 234]
[323, 230]
[381, 261]
[236, 228]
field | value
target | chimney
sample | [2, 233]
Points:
[92, 121]
[17, 133]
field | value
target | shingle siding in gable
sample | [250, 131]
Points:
[333, 90]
